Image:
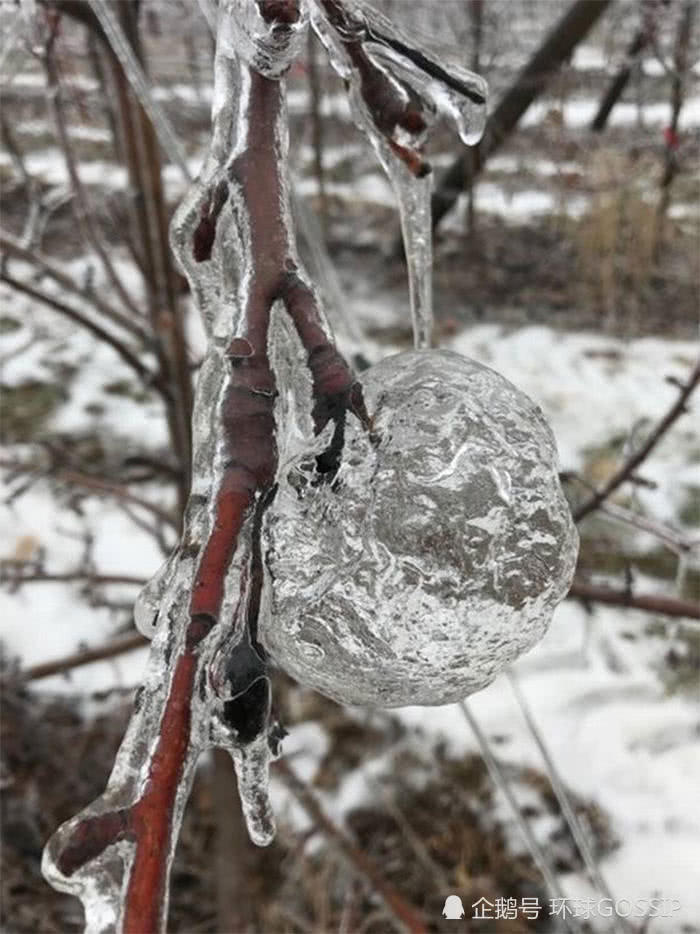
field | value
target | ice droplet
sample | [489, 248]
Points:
[463, 103]
[440, 552]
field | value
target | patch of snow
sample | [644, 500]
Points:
[580, 112]
[589, 58]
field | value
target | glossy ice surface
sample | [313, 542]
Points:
[438, 554]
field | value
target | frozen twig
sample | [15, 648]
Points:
[390, 108]
[396, 91]
[626, 471]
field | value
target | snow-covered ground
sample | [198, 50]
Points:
[615, 734]
[618, 735]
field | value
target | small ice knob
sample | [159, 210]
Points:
[148, 602]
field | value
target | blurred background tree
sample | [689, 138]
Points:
[572, 229]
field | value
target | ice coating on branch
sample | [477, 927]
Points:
[464, 111]
[206, 681]
[116, 854]
[438, 554]
[395, 90]
[268, 47]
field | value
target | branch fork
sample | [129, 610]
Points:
[206, 682]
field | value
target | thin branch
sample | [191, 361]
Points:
[557, 47]
[680, 67]
[83, 213]
[127, 355]
[539, 856]
[86, 657]
[652, 603]
[149, 232]
[132, 68]
[641, 39]
[632, 463]
[94, 484]
[37, 576]
[407, 916]
[74, 478]
[14, 151]
[47, 267]
[667, 606]
[675, 540]
[576, 827]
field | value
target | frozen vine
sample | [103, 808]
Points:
[272, 385]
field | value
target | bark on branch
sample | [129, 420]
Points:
[207, 683]
[651, 603]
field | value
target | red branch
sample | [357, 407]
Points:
[245, 424]
[652, 603]
[389, 111]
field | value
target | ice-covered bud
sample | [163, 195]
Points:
[437, 554]
[461, 99]
[267, 34]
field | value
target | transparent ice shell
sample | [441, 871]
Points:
[438, 554]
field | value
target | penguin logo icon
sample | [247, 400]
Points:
[454, 909]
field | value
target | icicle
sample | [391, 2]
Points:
[415, 212]
[410, 75]
[252, 764]
[463, 103]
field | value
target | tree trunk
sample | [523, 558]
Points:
[641, 40]
[149, 219]
[530, 83]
